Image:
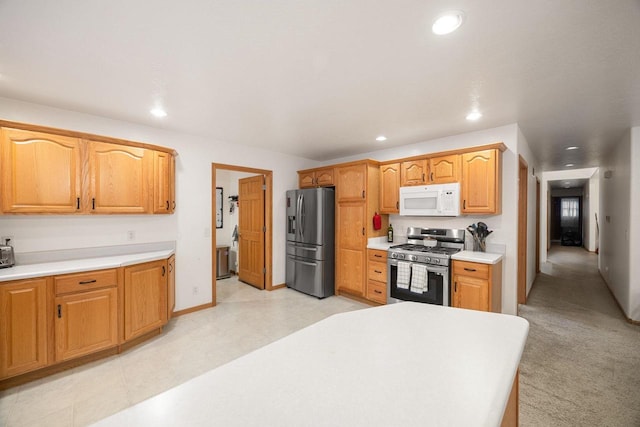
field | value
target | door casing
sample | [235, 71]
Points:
[268, 221]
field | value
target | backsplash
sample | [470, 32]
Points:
[494, 240]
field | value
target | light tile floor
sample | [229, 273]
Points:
[244, 320]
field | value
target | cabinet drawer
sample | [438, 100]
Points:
[471, 269]
[377, 291]
[85, 281]
[377, 255]
[378, 271]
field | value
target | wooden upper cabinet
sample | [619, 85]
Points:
[23, 326]
[390, 188]
[351, 182]
[480, 189]
[40, 172]
[65, 172]
[163, 182]
[322, 177]
[444, 169]
[414, 172]
[119, 178]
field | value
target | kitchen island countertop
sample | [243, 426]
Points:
[405, 364]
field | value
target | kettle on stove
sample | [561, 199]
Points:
[7, 258]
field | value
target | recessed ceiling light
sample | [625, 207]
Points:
[569, 165]
[573, 147]
[381, 138]
[158, 112]
[447, 23]
[473, 116]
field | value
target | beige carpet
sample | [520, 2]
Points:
[581, 364]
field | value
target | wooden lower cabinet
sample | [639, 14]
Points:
[23, 326]
[145, 298]
[377, 276]
[171, 286]
[86, 322]
[51, 320]
[477, 286]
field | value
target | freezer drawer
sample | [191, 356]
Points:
[310, 276]
[303, 250]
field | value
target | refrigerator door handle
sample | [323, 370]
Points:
[302, 216]
[307, 249]
[313, 264]
[298, 204]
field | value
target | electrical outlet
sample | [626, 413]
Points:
[195, 290]
[131, 235]
[3, 239]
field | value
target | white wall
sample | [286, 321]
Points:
[594, 210]
[189, 227]
[547, 176]
[619, 232]
[634, 228]
[505, 225]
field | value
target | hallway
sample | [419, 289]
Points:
[581, 364]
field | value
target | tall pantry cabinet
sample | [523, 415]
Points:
[357, 197]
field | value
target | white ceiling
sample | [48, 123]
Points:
[322, 79]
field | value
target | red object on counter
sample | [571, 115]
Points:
[377, 221]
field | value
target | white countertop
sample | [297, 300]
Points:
[481, 257]
[78, 265]
[405, 364]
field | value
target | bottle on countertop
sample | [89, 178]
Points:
[390, 234]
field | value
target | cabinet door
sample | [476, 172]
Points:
[444, 169]
[145, 298]
[119, 178]
[23, 326]
[351, 183]
[480, 185]
[306, 179]
[171, 286]
[471, 293]
[86, 322]
[350, 248]
[390, 188]
[162, 185]
[324, 177]
[40, 172]
[414, 172]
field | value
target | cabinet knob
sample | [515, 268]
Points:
[164, 270]
[431, 176]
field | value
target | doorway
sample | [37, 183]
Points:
[522, 230]
[261, 246]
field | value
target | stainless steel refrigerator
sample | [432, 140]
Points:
[310, 241]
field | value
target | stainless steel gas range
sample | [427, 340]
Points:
[420, 269]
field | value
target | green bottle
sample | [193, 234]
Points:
[390, 234]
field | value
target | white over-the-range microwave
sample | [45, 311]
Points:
[430, 200]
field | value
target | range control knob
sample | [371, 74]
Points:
[394, 255]
[427, 259]
[412, 257]
[437, 261]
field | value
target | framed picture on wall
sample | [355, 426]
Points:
[218, 207]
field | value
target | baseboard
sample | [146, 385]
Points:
[274, 287]
[628, 319]
[191, 309]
